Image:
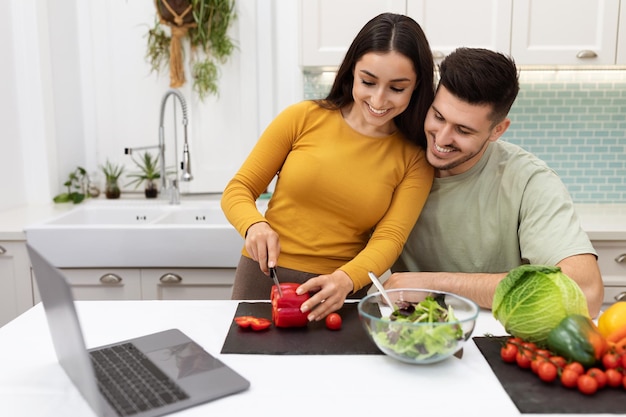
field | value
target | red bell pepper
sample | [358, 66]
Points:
[286, 309]
[255, 323]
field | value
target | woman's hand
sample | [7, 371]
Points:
[329, 294]
[263, 245]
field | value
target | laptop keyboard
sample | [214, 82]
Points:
[131, 382]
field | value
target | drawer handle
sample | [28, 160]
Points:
[170, 278]
[2, 250]
[586, 54]
[620, 258]
[621, 296]
[110, 279]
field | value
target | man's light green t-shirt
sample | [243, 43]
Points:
[507, 210]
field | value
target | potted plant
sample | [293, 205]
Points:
[112, 173]
[148, 172]
[204, 25]
[77, 187]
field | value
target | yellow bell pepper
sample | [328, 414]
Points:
[612, 318]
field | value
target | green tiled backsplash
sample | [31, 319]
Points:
[574, 120]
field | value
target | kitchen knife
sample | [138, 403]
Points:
[275, 278]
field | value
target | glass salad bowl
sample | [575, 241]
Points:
[423, 326]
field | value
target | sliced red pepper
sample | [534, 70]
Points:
[255, 323]
[286, 309]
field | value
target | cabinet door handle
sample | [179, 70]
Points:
[2, 250]
[620, 258]
[586, 54]
[110, 279]
[170, 278]
[621, 296]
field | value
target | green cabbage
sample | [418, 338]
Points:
[533, 299]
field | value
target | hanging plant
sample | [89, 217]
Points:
[204, 25]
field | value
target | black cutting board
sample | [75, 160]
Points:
[531, 395]
[314, 339]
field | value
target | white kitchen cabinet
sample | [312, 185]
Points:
[449, 24]
[534, 32]
[329, 26]
[150, 283]
[621, 36]
[16, 292]
[565, 32]
[187, 284]
[612, 262]
[103, 283]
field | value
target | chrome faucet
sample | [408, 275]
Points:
[173, 188]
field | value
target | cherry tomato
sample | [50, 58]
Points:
[543, 353]
[534, 364]
[610, 360]
[255, 323]
[587, 384]
[529, 348]
[508, 352]
[613, 378]
[547, 371]
[624, 382]
[575, 367]
[523, 359]
[569, 378]
[559, 361]
[599, 375]
[624, 361]
[333, 321]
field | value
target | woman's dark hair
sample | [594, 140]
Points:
[481, 76]
[385, 33]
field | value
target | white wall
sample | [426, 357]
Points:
[79, 91]
[12, 188]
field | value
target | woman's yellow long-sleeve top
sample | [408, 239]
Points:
[342, 200]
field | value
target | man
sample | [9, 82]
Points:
[493, 206]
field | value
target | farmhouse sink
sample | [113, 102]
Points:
[136, 234]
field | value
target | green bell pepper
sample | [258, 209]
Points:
[577, 338]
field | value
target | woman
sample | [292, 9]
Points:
[352, 176]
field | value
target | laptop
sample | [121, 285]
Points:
[176, 373]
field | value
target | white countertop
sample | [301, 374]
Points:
[32, 383]
[14, 221]
[603, 221]
[600, 221]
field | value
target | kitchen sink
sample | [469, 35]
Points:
[193, 216]
[98, 215]
[139, 234]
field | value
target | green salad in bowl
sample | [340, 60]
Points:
[421, 327]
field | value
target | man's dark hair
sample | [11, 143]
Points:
[481, 76]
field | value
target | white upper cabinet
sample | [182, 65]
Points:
[329, 26]
[565, 32]
[449, 24]
[534, 32]
[621, 36]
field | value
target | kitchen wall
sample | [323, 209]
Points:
[574, 120]
[77, 90]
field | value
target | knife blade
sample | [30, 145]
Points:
[275, 278]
